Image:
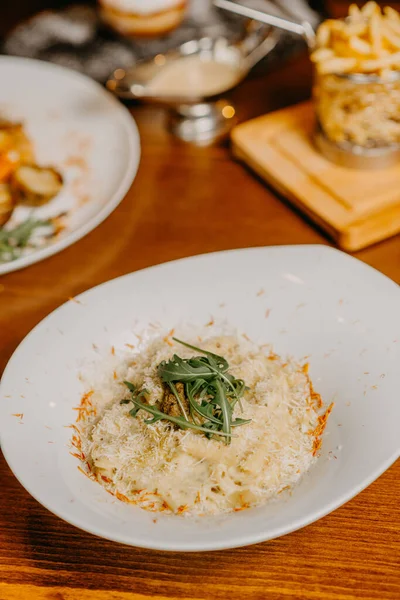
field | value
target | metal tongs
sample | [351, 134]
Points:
[304, 29]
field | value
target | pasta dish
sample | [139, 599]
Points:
[201, 428]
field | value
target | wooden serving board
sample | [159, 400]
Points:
[356, 208]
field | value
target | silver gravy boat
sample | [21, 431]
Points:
[192, 117]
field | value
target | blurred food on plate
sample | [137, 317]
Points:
[22, 182]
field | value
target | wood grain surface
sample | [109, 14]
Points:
[186, 201]
[355, 207]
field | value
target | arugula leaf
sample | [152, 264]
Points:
[222, 363]
[226, 409]
[130, 386]
[212, 393]
[13, 241]
[178, 369]
[240, 422]
[204, 411]
[183, 423]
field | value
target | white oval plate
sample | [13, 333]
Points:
[306, 300]
[81, 129]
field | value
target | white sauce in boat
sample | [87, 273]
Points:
[194, 76]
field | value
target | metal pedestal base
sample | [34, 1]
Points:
[203, 123]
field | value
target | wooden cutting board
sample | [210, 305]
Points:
[356, 208]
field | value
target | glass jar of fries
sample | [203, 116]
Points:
[362, 110]
[357, 84]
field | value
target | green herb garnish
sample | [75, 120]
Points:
[209, 389]
[13, 241]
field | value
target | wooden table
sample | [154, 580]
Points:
[186, 201]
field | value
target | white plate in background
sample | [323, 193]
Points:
[82, 130]
[316, 301]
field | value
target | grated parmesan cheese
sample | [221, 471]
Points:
[163, 469]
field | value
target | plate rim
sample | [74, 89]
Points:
[240, 540]
[119, 193]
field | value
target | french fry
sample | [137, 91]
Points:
[337, 26]
[368, 41]
[369, 9]
[354, 11]
[375, 29]
[337, 65]
[391, 14]
[391, 24]
[360, 46]
[342, 49]
[353, 29]
[391, 37]
[322, 54]
[323, 34]
[369, 66]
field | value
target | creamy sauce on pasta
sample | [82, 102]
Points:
[165, 469]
